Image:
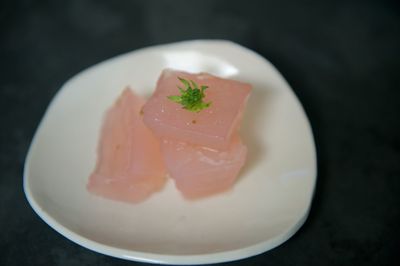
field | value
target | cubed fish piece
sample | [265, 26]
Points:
[200, 171]
[213, 126]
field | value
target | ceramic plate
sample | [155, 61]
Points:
[267, 205]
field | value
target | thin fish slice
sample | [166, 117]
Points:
[129, 166]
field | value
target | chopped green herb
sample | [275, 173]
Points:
[191, 97]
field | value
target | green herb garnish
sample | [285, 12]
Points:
[191, 97]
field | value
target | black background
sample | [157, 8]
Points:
[342, 59]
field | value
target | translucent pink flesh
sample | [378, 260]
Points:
[211, 127]
[129, 166]
[200, 171]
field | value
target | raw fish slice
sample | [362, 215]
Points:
[129, 166]
[211, 127]
[200, 171]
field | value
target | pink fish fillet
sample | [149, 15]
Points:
[211, 127]
[199, 171]
[129, 166]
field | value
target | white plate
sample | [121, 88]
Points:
[267, 205]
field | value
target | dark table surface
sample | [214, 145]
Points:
[342, 59]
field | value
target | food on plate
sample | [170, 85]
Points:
[213, 126]
[198, 116]
[189, 128]
[129, 164]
